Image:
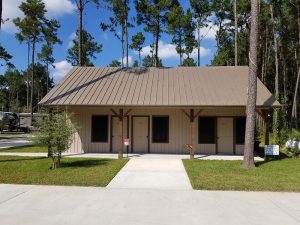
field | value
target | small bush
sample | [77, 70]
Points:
[56, 132]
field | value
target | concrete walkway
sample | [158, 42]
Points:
[13, 142]
[48, 205]
[152, 173]
[133, 156]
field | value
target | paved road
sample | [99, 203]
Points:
[36, 205]
[152, 173]
[13, 142]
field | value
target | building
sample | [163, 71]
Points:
[160, 110]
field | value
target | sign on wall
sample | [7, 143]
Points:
[126, 141]
[271, 149]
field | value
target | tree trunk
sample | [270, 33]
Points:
[123, 49]
[156, 41]
[27, 86]
[252, 89]
[126, 31]
[80, 12]
[120, 150]
[199, 45]
[0, 13]
[276, 53]
[235, 34]
[47, 65]
[32, 80]
[140, 60]
[294, 108]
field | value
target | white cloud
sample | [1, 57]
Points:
[55, 8]
[60, 70]
[167, 51]
[59, 7]
[71, 37]
[130, 60]
[208, 32]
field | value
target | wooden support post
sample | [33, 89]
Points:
[267, 121]
[192, 116]
[192, 127]
[121, 120]
[265, 115]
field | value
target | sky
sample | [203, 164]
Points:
[65, 12]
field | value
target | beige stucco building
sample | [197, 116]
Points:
[160, 110]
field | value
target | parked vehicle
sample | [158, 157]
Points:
[19, 122]
[9, 121]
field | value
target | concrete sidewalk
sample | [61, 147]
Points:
[13, 142]
[132, 156]
[48, 205]
[152, 173]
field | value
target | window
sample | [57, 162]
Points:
[240, 125]
[207, 130]
[99, 128]
[160, 129]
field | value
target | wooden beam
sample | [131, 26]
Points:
[198, 113]
[128, 111]
[188, 115]
[115, 113]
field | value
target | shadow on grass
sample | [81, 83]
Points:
[272, 159]
[21, 159]
[85, 163]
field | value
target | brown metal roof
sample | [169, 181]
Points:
[183, 86]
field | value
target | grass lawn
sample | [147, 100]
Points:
[73, 171]
[277, 175]
[29, 148]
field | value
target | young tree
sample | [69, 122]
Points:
[56, 131]
[137, 44]
[35, 28]
[252, 89]
[89, 50]
[81, 4]
[115, 63]
[153, 14]
[201, 11]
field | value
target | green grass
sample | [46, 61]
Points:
[276, 175]
[29, 148]
[73, 171]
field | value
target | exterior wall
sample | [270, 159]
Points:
[179, 129]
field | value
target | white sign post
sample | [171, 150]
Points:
[271, 149]
[126, 143]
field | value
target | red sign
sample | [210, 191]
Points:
[126, 141]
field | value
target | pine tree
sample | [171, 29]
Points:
[81, 4]
[137, 44]
[252, 89]
[35, 28]
[201, 11]
[153, 14]
[120, 12]
[115, 63]
[89, 50]
[176, 19]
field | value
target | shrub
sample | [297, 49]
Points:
[56, 132]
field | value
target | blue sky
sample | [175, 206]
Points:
[65, 12]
